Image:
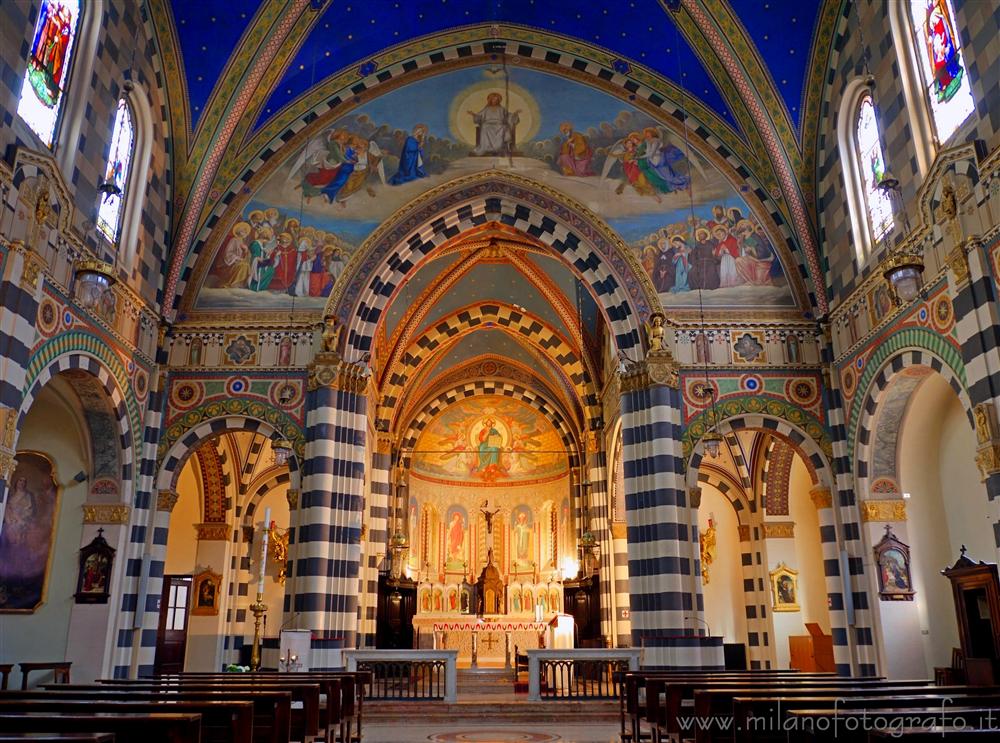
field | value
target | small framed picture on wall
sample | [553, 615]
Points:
[206, 594]
[784, 588]
[93, 584]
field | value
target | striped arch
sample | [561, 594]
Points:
[730, 488]
[94, 366]
[914, 364]
[574, 234]
[943, 356]
[184, 446]
[489, 387]
[493, 315]
[814, 452]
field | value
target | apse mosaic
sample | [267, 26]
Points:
[489, 440]
[685, 222]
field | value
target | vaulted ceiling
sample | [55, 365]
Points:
[243, 78]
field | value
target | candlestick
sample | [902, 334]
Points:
[258, 608]
[263, 550]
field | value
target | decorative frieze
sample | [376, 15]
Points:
[106, 513]
[779, 530]
[214, 532]
[891, 509]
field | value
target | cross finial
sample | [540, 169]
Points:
[962, 551]
[100, 532]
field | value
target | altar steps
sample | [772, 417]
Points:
[487, 695]
[514, 710]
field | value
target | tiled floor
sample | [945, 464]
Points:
[491, 732]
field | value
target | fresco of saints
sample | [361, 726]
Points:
[522, 537]
[261, 261]
[411, 158]
[456, 537]
[368, 160]
[575, 153]
[627, 151]
[234, 268]
[495, 127]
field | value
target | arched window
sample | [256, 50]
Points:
[44, 85]
[939, 56]
[871, 164]
[109, 214]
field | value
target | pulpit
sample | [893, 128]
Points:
[976, 590]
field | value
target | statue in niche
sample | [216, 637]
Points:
[655, 332]
[701, 352]
[332, 330]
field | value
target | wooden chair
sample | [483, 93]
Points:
[953, 674]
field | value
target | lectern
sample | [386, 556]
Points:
[976, 589]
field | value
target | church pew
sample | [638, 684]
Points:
[775, 709]
[930, 733]
[318, 698]
[351, 704]
[222, 721]
[304, 716]
[60, 671]
[633, 682]
[5, 669]
[271, 709]
[826, 725]
[666, 703]
[57, 737]
[127, 727]
[667, 698]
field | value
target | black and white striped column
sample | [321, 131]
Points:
[328, 546]
[662, 545]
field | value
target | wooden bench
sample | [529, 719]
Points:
[157, 727]
[849, 725]
[60, 672]
[635, 681]
[341, 717]
[271, 709]
[222, 721]
[762, 718]
[57, 738]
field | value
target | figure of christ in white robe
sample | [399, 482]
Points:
[496, 126]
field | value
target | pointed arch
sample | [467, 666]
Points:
[575, 235]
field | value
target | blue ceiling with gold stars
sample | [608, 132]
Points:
[351, 32]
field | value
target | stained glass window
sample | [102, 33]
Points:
[44, 85]
[872, 164]
[116, 173]
[939, 57]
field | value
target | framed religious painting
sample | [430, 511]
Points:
[93, 584]
[206, 594]
[895, 582]
[784, 588]
[28, 533]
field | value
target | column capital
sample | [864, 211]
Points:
[32, 265]
[329, 370]
[658, 368]
[292, 496]
[987, 439]
[821, 496]
[383, 442]
[166, 500]
[8, 427]
[694, 497]
[8, 464]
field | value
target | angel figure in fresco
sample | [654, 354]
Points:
[626, 150]
[367, 160]
[659, 161]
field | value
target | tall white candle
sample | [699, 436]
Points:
[263, 550]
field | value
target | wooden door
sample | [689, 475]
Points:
[171, 636]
